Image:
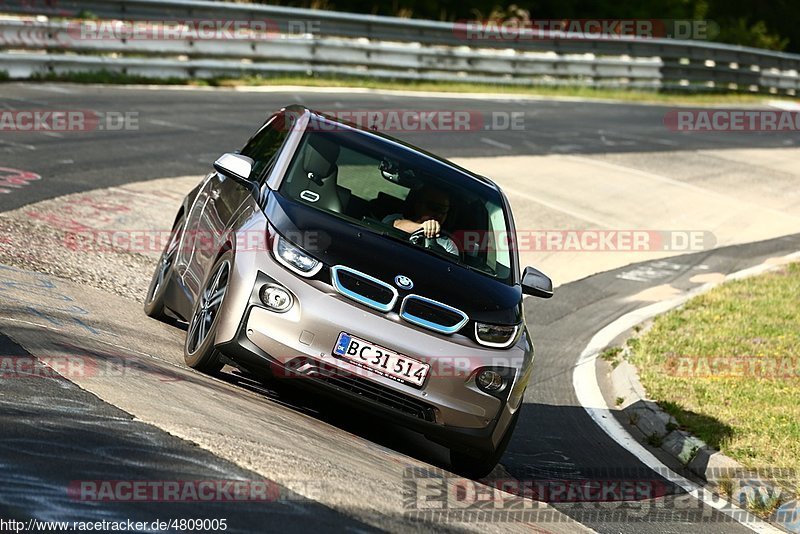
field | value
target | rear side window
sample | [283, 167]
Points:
[265, 146]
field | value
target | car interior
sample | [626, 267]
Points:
[316, 178]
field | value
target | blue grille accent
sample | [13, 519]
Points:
[432, 314]
[363, 288]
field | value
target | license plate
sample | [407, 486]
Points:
[380, 360]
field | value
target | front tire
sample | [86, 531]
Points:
[198, 350]
[476, 465]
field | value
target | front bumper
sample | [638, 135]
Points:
[298, 344]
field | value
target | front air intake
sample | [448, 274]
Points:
[363, 288]
[432, 314]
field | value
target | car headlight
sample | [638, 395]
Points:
[497, 336]
[294, 258]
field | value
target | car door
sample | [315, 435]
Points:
[221, 199]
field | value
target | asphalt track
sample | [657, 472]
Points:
[180, 133]
[55, 433]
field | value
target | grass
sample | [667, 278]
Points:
[699, 98]
[110, 78]
[655, 439]
[612, 355]
[727, 367]
[764, 506]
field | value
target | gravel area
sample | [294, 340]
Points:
[70, 237]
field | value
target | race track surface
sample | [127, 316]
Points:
[138, 413]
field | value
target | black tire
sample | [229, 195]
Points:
[477, 465]
[154, 305]
[198, 350]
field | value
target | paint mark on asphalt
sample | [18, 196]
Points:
[12, 179]
[651, 272]
[43, 299]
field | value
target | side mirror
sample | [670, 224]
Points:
[235, 166]
[536, 283]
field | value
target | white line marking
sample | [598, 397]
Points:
[784, 104]
[587, 390]
[173, 125]
[17, 145]
[639, 138]
[494, 143]
[564, 149]
[52, 88]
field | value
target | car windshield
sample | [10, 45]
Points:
[392, 190]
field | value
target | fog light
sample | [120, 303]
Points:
[489, 380]
[275, 298]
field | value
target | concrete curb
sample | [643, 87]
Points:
[661, 429]
[658, 426]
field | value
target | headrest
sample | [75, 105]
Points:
[320, 156]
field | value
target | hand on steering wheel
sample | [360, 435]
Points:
[420, 239]
[431, 228]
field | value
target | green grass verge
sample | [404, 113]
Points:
[727, 367]
[110, 78]
[700, 98]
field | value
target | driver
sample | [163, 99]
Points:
[426, 209]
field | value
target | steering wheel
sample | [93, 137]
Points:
[418, 238]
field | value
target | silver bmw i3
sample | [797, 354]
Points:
[365, 268]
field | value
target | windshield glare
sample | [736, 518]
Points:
[392, 190]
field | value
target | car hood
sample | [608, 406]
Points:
[336, 241]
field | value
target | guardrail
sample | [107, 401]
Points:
[386, 47]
